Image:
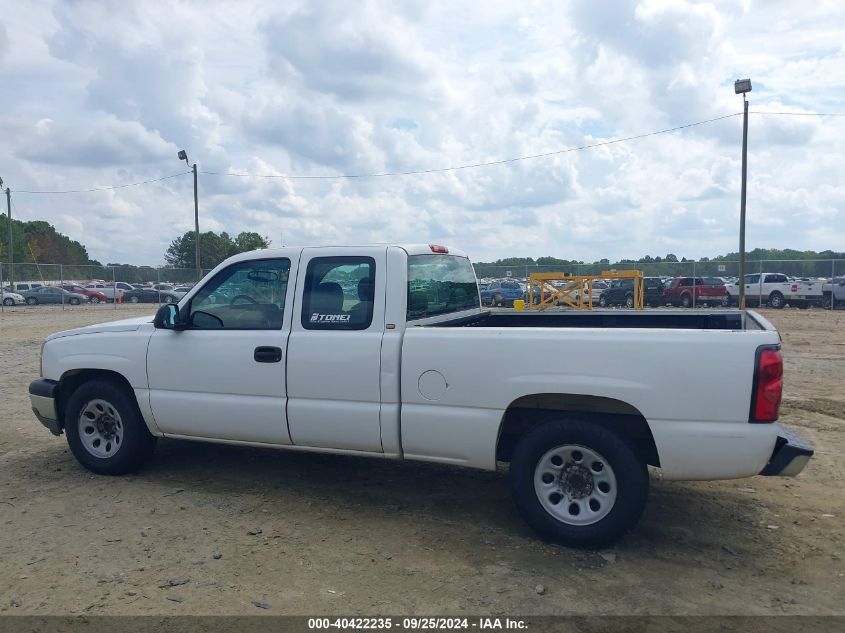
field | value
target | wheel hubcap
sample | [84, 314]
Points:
[100, 428]
[575, 484]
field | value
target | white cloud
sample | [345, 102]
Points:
[107, 93]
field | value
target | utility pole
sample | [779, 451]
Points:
[11, 252]
[183, 155]
[742, 86]
[197, 221]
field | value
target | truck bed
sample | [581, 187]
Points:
[647, 319]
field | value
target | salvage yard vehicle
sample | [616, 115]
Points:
[502, 293]
[111, 290]
[621, 293]
[405, 364]
[150, 295]
[776, 291]
[690, 291]
[94, 296]
[834, 292]
[10, 298]
[53, 294]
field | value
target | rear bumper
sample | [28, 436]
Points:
[790, 455]
[42, 397]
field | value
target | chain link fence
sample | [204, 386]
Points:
[109, 285]
[42, 285]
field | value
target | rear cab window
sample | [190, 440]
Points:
[440, 284]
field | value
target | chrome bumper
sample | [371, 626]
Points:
[42, 396]
[791, 454]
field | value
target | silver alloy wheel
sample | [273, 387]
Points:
[575, 484]
[100, 428]
[133, 299]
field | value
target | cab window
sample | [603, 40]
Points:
[339, 293]
[247, 295]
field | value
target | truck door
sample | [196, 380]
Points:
[334, 352]
[224, 376]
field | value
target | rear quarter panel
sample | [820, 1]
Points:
[693, 387]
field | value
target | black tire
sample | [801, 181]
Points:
[133, 299]
[686, 300]
[168, 299]
[776, 300]
[603, 301]
[630, 472]
[629, 301]
[8, 301]
[73, 301]
[31, 301]
[137, 442]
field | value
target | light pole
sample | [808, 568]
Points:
[183, 155]
[11, 252]
[742, 86]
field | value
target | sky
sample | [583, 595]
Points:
[103, 94]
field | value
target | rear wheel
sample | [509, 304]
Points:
[629, 301]
[603, 301]
[776, 300]
[577, 483]
[73, 301]
[133, 299]
[105, 430]
[31, 301]
[8, 301]
[686, 300]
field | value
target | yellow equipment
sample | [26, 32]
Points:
[576, 291]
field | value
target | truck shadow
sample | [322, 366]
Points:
[429, 501]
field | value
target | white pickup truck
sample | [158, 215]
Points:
[384, 351]
[776, 290]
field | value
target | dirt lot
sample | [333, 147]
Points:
[261, 531]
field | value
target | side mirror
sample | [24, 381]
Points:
[167, 318]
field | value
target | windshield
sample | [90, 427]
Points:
[440, 284]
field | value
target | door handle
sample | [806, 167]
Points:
[267, 354]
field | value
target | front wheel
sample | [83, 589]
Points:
[73, 301]
[603, 301]
[629, 301]
[8, 301]
[577, 483]
[105, 430]
[31, 301]
[686, 301]
[133, 299]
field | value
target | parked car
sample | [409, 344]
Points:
[53, 294]
[94, 295]
[690, 291]
[775, 290]
[834, 292]
[112, 291]
[22, 286]
[150, 295]
[502, 293]
[10, 298]
[621, 293]
[304, 366]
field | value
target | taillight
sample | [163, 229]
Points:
[768, 385]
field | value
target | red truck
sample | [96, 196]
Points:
[690, 291]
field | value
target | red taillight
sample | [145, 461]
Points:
[436, 248]
[768, 386]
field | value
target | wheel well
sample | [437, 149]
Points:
[620, 417]
[71, 380]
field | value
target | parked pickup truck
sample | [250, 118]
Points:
[691, 291]
[834, 292]
[776, 290]
[384, 351]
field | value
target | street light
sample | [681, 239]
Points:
[183, 155]
[742, 86]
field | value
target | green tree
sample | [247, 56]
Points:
[214, 248]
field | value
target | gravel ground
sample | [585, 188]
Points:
[209, 529]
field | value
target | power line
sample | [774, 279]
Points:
[799, 113]
[131, 184]
[474, 165]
